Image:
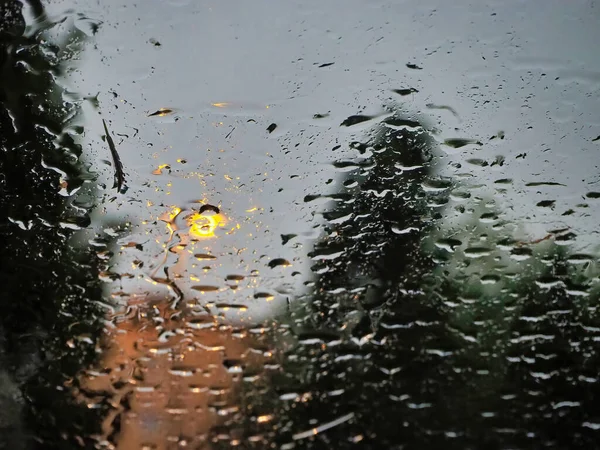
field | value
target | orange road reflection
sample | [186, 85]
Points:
[170, 372]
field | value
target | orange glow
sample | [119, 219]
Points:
[221, 104]
[170, 216]
[160, 168]
[204, 226]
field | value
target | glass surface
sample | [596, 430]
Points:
[299, 225]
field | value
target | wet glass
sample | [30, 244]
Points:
[299, 225]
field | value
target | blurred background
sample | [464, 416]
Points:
[302, 225]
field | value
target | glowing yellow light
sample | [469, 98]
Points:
[204, 226]
[252, 209]
[221, 104]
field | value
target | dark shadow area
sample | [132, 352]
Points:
[49, 322]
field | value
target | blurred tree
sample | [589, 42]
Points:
[47, 287]
[425, 336]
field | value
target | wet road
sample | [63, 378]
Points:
[339, 225]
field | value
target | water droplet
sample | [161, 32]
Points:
[477, 252]
[546, 204]
[264, 296]
[161, 112]
[521, 253]
[580, 259]
[204, 256]
[279, 262]
[460, 142]
[448, 244]
[235, 277]
[490, 279]
[397, 230]
[205, 288]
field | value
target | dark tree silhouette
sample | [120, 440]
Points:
[405, 345]
[46, 285]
